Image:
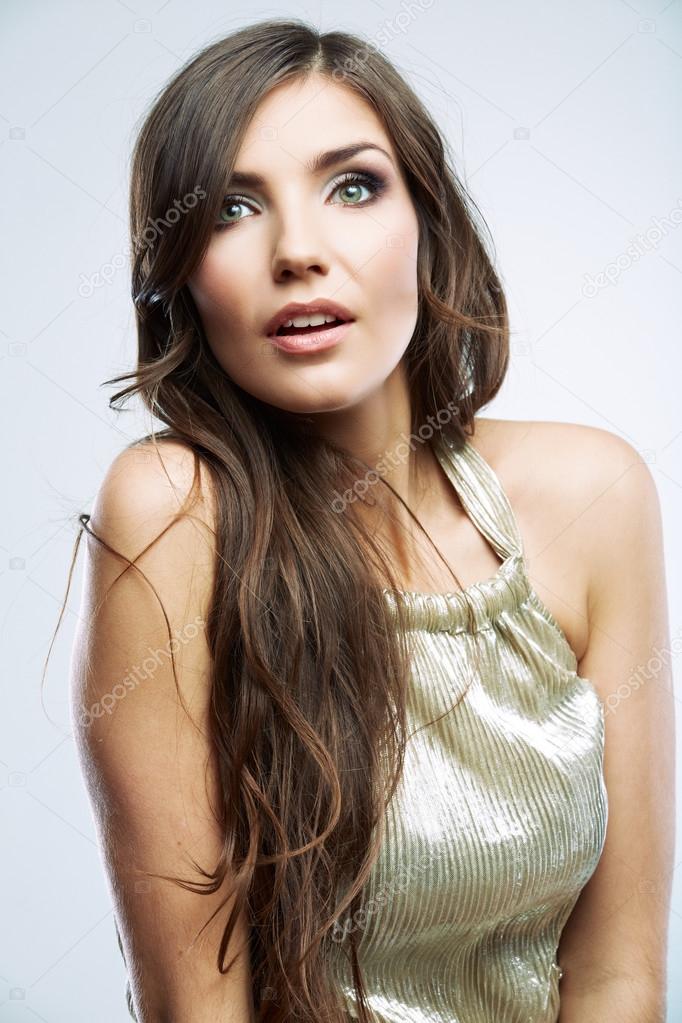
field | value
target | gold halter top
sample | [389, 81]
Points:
[500, 817]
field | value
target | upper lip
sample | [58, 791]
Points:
[293, 309]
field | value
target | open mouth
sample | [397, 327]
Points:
[316, 329]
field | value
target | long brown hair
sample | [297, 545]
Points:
[308, 667]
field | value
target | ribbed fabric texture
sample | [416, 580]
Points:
[500, 817]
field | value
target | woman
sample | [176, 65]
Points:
[391, 795]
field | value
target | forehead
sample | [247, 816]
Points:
[298, 119]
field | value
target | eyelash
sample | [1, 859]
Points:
[368, 178]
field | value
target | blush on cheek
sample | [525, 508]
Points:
[212, 301]
[398, 272]
[224, 300]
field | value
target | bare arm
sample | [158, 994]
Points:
[148, 769]
[613, 949]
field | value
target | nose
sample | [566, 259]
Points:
[298, 249]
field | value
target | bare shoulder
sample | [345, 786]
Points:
[576, 490]
[162, 473]
[142, 685]
[146, 487]
[565, 462]
[151, 558]
[153, 546]
[537, 464]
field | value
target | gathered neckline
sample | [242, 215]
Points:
[481, 602]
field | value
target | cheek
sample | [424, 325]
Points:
[394, 277]
[223, 290]
[220, 294]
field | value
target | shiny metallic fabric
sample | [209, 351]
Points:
[500, 817]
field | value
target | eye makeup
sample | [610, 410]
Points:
[373, 181]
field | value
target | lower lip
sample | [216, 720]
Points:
[303, 344]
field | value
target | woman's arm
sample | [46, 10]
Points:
[613, 949]
[147, 768]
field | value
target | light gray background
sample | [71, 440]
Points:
[565, 118]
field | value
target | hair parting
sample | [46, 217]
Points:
[310, 668]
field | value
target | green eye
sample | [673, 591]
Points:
[351, 183]
[352, 186]
[232, 202]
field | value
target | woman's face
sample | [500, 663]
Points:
[302, 236]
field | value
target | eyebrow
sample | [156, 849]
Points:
[320, 162]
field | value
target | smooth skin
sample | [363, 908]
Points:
[589, 516]
[147, 767]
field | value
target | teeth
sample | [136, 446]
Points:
[310, 321]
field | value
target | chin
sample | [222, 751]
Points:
[315, 404]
